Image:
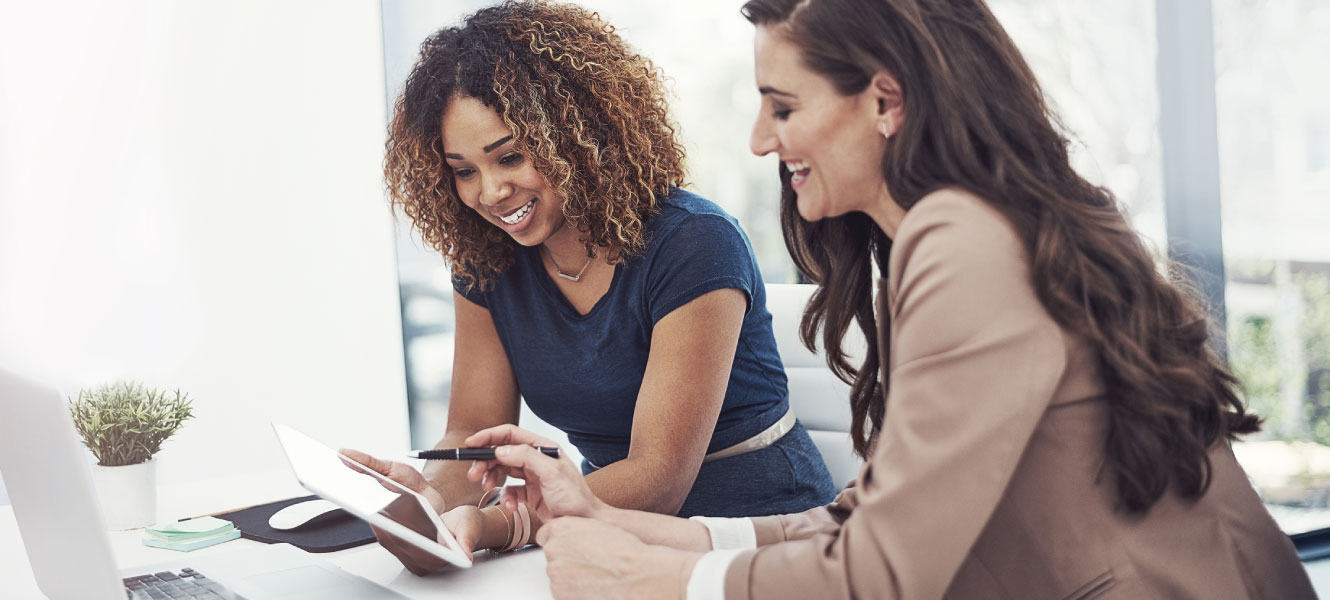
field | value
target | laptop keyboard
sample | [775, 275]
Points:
[188, 583]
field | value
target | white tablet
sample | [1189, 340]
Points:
[325, 472]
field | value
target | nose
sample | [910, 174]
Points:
[763, 139]
[494, 189]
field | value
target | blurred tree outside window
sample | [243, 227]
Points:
[1271, 92]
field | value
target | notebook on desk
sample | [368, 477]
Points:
[66, 541]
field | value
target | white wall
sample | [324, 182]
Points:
[190, 195]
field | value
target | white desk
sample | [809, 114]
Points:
[516, 575]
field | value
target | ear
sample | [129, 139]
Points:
[888, 103]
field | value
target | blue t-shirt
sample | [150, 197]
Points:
[582, 373]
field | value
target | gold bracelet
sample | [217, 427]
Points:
[526, 526]
[481, 503]
[519, 530]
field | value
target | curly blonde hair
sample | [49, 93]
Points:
[584, 107]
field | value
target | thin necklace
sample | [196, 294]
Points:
[557, 271]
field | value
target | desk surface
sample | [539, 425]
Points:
[516, 575]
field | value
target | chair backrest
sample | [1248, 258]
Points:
[818, 397]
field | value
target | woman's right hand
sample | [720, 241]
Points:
[554, 487]
[465, 522]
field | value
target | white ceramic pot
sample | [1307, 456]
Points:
[127, 495]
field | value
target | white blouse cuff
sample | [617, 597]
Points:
[730, 534]
[708, 579]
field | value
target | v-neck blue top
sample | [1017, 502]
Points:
[581, 373]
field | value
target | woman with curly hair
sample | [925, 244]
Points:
[531, 146]
[1039, 408]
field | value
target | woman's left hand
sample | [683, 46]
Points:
[592, 559]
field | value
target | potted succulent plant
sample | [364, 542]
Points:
[124, 425]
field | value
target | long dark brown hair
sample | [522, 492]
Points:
[583, 106]
[976, 119]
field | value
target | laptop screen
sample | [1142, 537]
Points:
[45, 469]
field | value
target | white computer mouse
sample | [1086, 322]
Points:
[300, 513]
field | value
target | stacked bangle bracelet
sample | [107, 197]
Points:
[518, 532]
[519, 527]
[525, 521]
[507, 522]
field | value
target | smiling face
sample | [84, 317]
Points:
[830, 142]
[494, 179]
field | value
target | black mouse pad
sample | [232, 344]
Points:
[329, 532]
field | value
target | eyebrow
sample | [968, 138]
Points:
[766, 89]
[490, 148]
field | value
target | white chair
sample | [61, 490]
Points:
[818, 397]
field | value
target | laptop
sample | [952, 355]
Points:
[65, 538]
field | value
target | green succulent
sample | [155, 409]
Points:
[125, 423]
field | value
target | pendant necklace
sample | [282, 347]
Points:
[557, 271]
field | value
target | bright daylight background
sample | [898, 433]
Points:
[191, 194]
[1097, 63]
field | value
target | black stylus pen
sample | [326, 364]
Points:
[470, 453]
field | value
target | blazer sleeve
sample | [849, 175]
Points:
[774, 529]
[975, 360]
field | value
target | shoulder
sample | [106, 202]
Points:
[959, 275]
[680, 205]
[694, 247]
[692, 218]
[956, 212]
[957, 226]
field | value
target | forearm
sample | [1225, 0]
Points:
[643, 485]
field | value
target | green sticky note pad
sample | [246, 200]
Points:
[193, 543]
[192, 528]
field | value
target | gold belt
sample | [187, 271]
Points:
[763, 439]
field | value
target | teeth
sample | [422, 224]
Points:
[519, 213]
[798, 171]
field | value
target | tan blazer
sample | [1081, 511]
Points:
[983, 481]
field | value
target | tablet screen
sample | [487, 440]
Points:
[322, 470]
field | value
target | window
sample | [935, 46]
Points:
[423, 278]
[705, 49]
[1095, 62]
[1275, 187]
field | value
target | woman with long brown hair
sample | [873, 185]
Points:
[1039, 408]
[532, 147]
